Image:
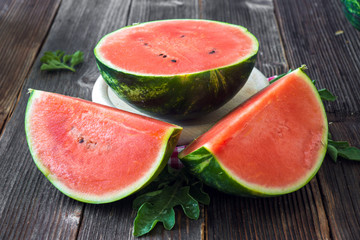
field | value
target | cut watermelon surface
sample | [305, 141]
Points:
[272, 144]
[175, 47]
[94, 153]
[177, 69]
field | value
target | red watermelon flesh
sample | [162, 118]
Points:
[176, 47]
[272, 144]
[95, 153]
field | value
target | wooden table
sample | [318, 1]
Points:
[290, 32]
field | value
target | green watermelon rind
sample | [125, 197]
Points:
[170, 141]
[179, 96]
[204, 164]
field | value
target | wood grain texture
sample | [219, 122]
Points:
[149, 10]
[340, 184]
[299, 215]
[309, 37]
[326, 208]
[23, 28]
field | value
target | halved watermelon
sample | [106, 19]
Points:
[177, 68]
[93, 153]
[272, 144]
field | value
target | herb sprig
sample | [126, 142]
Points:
[157, 201]
[58, 60]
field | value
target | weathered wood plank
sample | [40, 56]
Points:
[23, 28]
[148, 10]
[340, 185]
[310, 38]
[298, 215]
[30, 207]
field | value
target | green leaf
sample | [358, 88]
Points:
[58, 60]
[140, 200]
[159, 208]
[196, 191]
[77, 58]
[333, 152]
[66, 58]
[350, 153]
[338, 144]
[170, 189]
[342, 149]
[148, 216]
[326, 95]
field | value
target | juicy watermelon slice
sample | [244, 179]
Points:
[93, 153]
[177, 69]
[272, 144]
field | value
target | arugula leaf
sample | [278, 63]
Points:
[172, 188]
[58, 60]
[159, 208]
[342, 149]
[196, 191]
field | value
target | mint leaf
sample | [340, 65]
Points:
[156, 203]
[58, 60]
[342, 149]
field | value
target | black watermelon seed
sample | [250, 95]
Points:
[212, 52]
[146, 44]
[161, 54]
[182, 36]
[173, 60]
[164, 56]
[80, 139]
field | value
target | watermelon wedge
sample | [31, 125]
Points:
[177, 69]
[93, 153]
[272, 144]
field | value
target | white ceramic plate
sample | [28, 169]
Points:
[103, 94]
